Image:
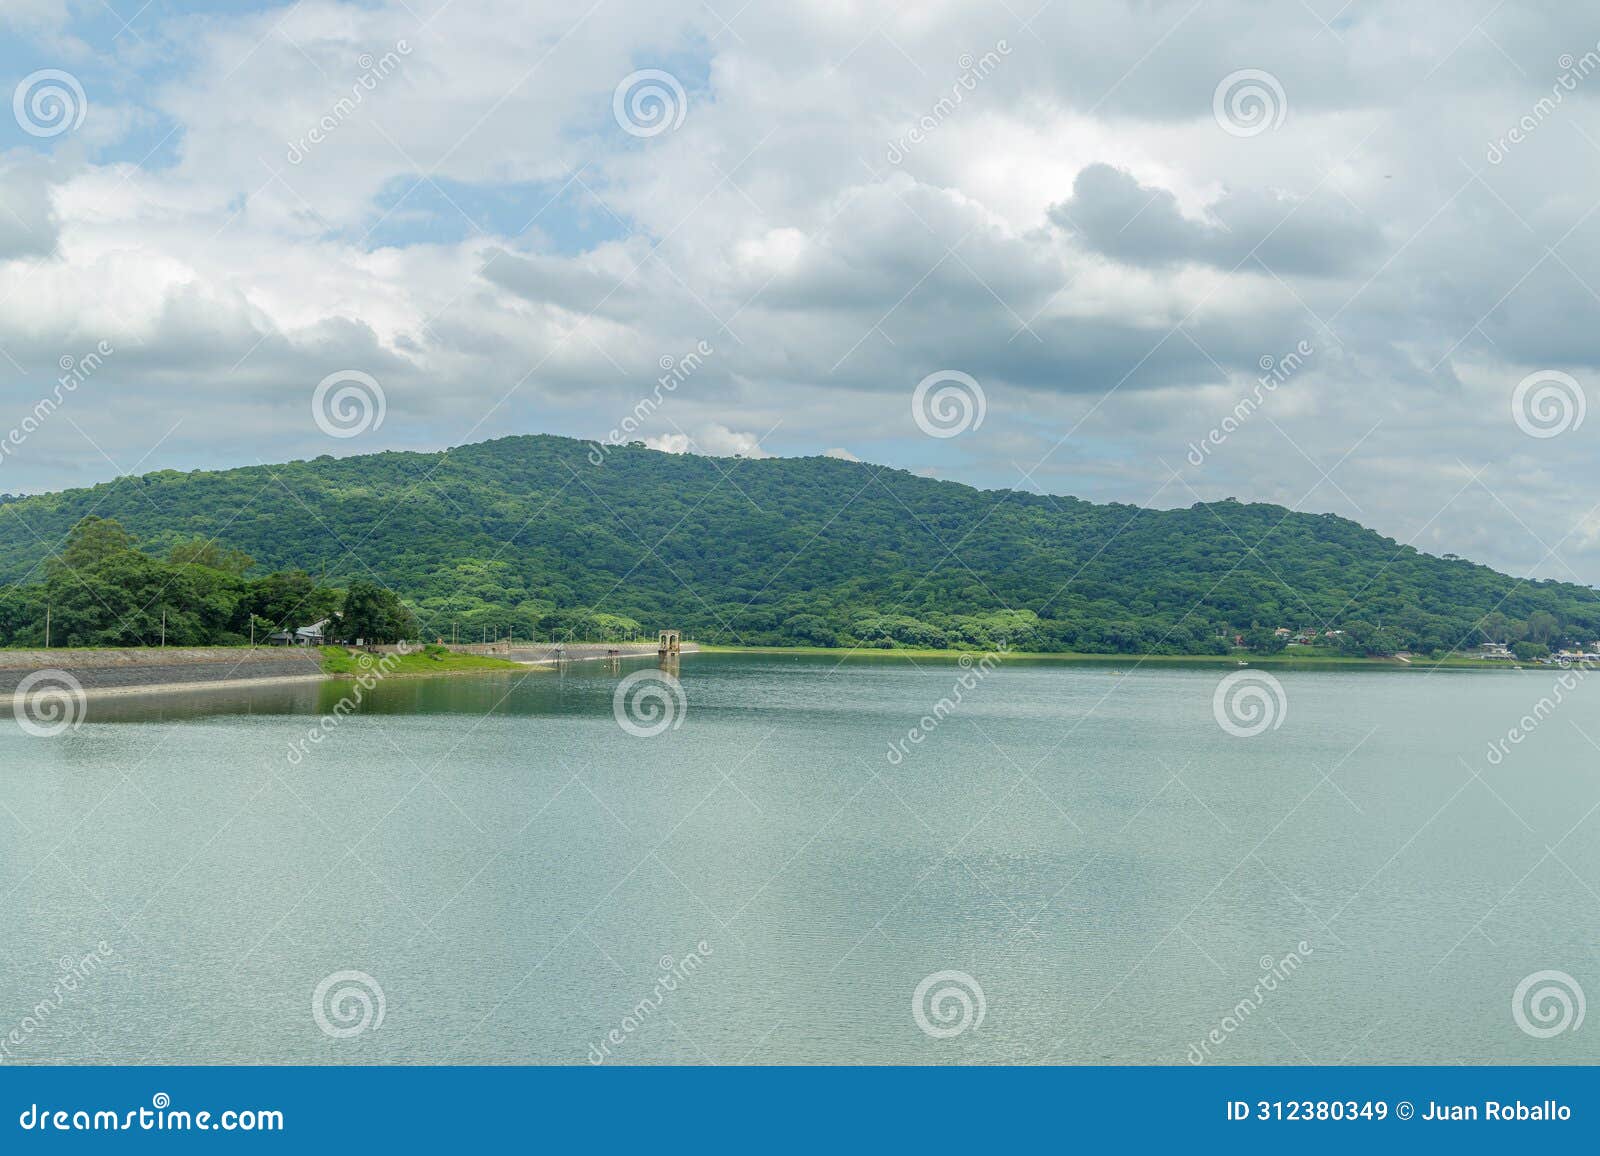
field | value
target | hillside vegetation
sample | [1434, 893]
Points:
[526, 534]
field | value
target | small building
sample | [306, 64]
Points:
[313, 635]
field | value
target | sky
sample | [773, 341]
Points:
[1337, 256]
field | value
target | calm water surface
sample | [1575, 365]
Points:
[1105, 861]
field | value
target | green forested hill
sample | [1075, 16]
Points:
[526, 533]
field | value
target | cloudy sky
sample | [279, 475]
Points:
[1338, 256]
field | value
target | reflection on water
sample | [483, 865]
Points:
[171, 706]
[1082, 851]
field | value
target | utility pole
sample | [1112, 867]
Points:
[47, 626]
[163, 629]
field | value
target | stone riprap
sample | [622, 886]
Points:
[117, 669]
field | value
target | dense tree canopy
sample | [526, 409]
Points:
[100, 589]
[526, 535]
[373, 614]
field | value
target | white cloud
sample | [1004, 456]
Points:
[36, 16]
[713, 440]
[27, 216]
[676, 443]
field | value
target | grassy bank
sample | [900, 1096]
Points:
[339, 662]
[1286, 659]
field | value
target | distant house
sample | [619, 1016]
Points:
[1494, 650]
[1282, 632]
[313, 635]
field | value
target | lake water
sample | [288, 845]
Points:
[1087, 845]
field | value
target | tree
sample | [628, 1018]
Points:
[1496, 627]
[205, 552]
[1264, 640]
[373, 613]
[289, 599]
[809, 630]
[1542, 626]
[101, 590]
[1364, 638]
[92, 542]
[22, 615]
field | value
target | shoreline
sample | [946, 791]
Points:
[84, 665]
[74, 664]
[98, 692]
[1290, 661]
